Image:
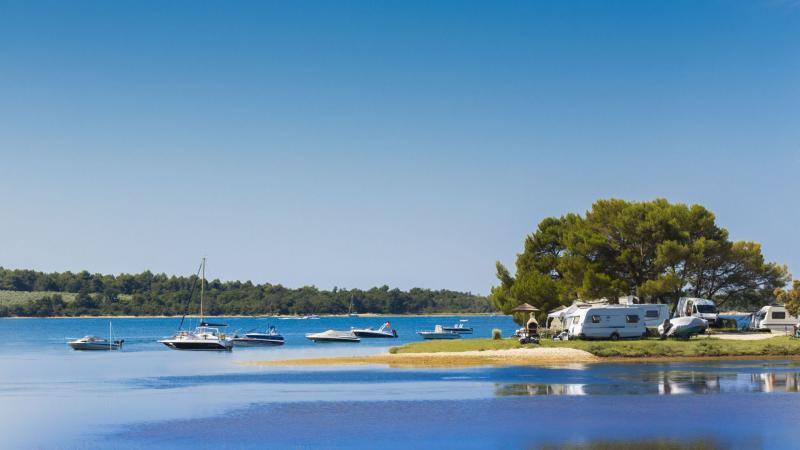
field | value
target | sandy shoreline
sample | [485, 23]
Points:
[510, 357]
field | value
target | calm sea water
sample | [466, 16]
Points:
[148, 396]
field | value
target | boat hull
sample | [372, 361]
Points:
[256, 342]
[198, 345]
[373, 334]
[458, 330]
[94, 346]
[432, 335]
[331, 339]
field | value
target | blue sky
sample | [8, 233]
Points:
[355, 144]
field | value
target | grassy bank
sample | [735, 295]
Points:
[646, 348]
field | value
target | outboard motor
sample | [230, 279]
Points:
[394, 332]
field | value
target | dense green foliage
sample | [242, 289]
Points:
[147, 294]
[656, 250]
[790, 297]
[645, 348]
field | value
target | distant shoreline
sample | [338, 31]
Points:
[287, 317]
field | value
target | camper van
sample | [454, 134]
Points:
[702, 308]
[653, 314]
[606, 322]
[773, 318]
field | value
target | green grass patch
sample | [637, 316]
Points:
[645, 348]
[11, 298]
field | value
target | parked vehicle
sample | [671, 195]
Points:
[606, 322]
[773, 318]
[653, 314]
[702, 308]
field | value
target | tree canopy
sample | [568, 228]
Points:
[657, 250]
[149, 294]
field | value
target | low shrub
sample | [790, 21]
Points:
[497, 334]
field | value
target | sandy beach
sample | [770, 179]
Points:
[518, 356]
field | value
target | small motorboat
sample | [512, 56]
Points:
[460, 327]
[385, 331]
[254, 338]
[438, 333]
[333, 336]
[682, 327]
[95, 343]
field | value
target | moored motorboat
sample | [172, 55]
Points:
[333, 336]
[460, 327]
[95, 343]
[682, 327]
[253, 338]
[439, 333]
[206, 336]
[385, 331]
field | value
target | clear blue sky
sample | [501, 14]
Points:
[355, 144]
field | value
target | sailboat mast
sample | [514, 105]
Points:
[202, 289]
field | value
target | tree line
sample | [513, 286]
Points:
[148, 294]
[656, 250]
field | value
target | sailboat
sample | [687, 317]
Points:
[206, 336]
[350, 309]
[97, 343]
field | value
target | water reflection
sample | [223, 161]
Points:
[662, 383]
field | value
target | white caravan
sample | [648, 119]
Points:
[653, 314]
[702, 308]
[774, 318]
[606, 322]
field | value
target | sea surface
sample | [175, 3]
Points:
[148, 396]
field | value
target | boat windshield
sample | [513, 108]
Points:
[706, 309]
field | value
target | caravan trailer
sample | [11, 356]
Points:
[773, 318]
[606, 322]
[653, 314]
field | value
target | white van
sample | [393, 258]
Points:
[606, 322]
[702, 308]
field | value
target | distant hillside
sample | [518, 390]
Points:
[30, 293]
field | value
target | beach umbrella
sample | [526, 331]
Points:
[525, 307]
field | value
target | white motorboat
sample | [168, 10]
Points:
[460, 327]
[439, 333]
[333, 336]
[206, 336]
[682, 327]
[253, 338]
[97, 343]
[385, 331]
